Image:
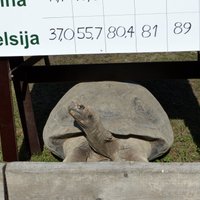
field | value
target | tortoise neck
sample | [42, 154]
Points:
[99, 138]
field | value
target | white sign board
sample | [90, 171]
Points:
[51, 27]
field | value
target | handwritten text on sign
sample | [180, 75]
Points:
[50, 27]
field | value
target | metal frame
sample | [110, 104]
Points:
[23, 72]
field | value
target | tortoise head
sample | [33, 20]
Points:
[83, 115]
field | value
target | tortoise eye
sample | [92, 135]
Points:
[90, 116]
[81, 107]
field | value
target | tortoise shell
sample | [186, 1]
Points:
[125, 109]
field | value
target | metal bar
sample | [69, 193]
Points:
[47, 61]
[32, 133]
[26, 111]
[7, 127]
[32, 60]
[117, 71]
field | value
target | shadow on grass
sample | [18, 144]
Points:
[176, 97]
[179, 102]
[45, 97]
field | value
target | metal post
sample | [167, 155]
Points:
[7, 127]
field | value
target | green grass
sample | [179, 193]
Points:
[184, 149]
[179, 98]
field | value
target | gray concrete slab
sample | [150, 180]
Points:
[2, 195]
[103, 181]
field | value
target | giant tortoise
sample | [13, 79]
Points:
[108, 120]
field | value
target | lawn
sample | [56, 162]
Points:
[179, 98]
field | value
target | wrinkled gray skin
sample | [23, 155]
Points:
[102, 141]
[113, 121]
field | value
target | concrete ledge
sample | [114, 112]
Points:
[2, 196]
[103, 181]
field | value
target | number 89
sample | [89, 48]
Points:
[182, 28]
